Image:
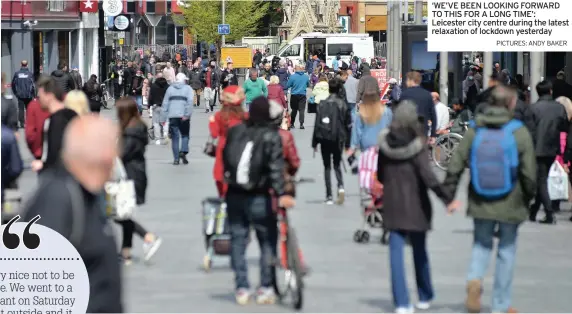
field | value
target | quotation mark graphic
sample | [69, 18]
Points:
[12, 241]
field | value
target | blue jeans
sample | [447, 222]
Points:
[483, 236]
[139, 101]
[245, 211]
[179, 130]
[352, 107]
[422, 271]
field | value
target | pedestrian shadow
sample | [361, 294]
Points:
[386, 305]
[321, 201]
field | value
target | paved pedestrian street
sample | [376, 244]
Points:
[345, 276]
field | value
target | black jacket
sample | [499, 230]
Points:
[137, 85]
[63, 80]
[128, 75]
[54, 137]
[345, 120]
[134, 141]
[548, 118]
[215, 77]
[78, 81]
[157, 91]
[9, 111]
[406, 175]
[561, 88]
[195, 79]
[54, 201]
[273, 178]
[23, 84]
[231, 81]
[92, 90]
[424, 102]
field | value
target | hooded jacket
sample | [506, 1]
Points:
[283, 75]
[135, 140]
[63, 80]
[195, 79]
[178, 101]
[514, 207]
[367, 83]
[404, 170]
[157, 91]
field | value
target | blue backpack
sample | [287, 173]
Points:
[494, 160]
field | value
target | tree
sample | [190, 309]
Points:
[202, 18]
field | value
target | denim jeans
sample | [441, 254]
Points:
[422, 270]
[179, 130]
[483, 235]
[245, 211]
[352, 107]
[139, 101]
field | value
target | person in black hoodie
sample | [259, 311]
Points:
[128, 74]
[549, 119]
[137, 89]
[560, 87]
[62, 78]
[93, 93]
[134, 140]
[69, 201]
[51, 97]
[156, 95]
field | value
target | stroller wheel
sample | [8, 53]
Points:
[384, 237]
[365, 237]
[357, 236]
[207, 262]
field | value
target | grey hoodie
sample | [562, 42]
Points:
[178, 101]
[367, 83]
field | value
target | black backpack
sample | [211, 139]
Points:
[344, 66]
[243, 156]
[327, 121]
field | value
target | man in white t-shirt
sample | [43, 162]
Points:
[442, 112]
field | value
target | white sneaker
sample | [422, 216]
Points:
[158, 142]
[423, 305]
[150, 248]
[404, 310]
[329, 201]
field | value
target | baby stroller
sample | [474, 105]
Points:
[371, 193]
[215, 229]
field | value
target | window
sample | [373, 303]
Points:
[56, 5]
[342, 49]
[130, 6]
[168, 6]
[292, 51]
[150, 6]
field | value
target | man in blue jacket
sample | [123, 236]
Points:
[298, 83]
[178, 108]
[422, 98]
[23, 88]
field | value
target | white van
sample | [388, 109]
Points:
[301, 47]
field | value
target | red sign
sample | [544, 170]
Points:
[381, 76]
[88, 6]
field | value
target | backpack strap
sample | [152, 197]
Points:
[78, 213]
[512, 126]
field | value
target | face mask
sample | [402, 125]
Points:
[212, 66]
[470, 78]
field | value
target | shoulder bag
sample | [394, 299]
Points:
[121, 194]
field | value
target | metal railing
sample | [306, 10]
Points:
[273, 48]
[158, 50]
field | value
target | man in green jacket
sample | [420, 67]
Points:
[504, 214]
[254, 87]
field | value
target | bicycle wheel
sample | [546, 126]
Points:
[295, 283]
[444, 148]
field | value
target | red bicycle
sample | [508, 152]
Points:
[291, 261]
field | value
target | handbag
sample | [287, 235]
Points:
[210, 147]
[558, 182]
[121, 194]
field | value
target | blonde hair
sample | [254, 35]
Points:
[567, 103]
[77, 101]
[371, 109]
[274, 79]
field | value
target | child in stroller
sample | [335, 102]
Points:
[371, 193]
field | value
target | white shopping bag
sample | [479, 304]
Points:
[122, 196]
[557, 182]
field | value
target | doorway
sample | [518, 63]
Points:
[64, 47]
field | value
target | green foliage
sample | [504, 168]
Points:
[271, 20]
[202, 18]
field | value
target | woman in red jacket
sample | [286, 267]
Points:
[230, 115]
[276, 92]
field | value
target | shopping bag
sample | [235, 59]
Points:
[121, 194]
[557, 182]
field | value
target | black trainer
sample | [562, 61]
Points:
[183, 157]
[176, 162]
